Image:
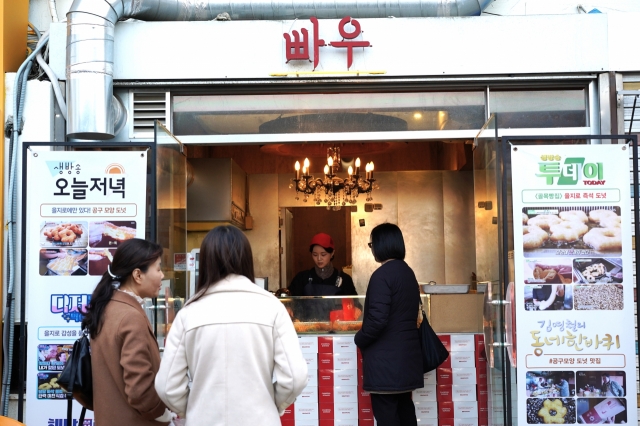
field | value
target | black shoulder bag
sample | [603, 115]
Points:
[433, 351]
[76, 378]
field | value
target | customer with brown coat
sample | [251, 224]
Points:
[124, 352]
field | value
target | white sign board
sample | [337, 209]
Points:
[80, 206]
[574, 284]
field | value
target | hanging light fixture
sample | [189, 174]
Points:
[332, 190]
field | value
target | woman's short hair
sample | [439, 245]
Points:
[225, 250]
[387, 242]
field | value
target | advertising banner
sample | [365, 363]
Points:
[574, 292]
[80, 206]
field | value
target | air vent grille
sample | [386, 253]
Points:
[147, 108]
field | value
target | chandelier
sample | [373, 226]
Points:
[332, 190]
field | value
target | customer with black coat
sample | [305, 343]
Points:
[389, 338]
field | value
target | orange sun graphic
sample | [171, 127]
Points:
[114, 169]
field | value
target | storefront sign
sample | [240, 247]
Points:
[574, 284]
[81, 206]
[297, 47]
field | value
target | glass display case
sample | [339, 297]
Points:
[329, 314]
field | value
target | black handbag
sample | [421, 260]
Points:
[433, 351]
[76, 378]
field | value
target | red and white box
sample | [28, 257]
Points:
[458, 409]
[427, 422]
[482, 392]
[303, 411]
[426, 409]
[364, 398]
[345, 377]
[339, 422]
[365, 412]
[345, 410]
[444, 376]
[446, 340]
[483, 411]
[325, 411]
[307, 422]
[464, 376]
[312, 377]
[427, 393]
[288, 416]
[325, 344]
[430, 378]
[342, 344]
[325, 394]
[460, 360]
[308, 394]
[345, 394]
[325, 377]
[482, 376]
[447, 393]
[325, 361]
[462, 343]
[308, 344]
[457, 422]
[478, 340]
[366, 422]
[311, 360]
[345, 361]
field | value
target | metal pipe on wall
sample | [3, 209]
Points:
[91, 25]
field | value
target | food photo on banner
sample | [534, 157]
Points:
[574, 295]
[85, 206]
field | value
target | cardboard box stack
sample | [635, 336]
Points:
[462, 382]
[455, 394]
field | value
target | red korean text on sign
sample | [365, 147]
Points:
[297, 47]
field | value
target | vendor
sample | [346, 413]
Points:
[323, 279]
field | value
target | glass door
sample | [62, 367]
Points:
[171, 228]
[490, 270]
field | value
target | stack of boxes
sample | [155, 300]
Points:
[455, 394]
[462, 382]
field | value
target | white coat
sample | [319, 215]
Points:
[238, 347]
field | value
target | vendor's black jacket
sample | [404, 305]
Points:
[308, 283]
[389, 339]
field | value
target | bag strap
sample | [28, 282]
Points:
[69, 409]
[82, 414]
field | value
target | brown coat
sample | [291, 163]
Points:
[125, 359]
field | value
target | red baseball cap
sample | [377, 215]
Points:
[323, 240]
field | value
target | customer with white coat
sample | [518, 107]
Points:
[232, 355]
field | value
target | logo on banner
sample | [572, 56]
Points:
[571, 171]
[71, 307]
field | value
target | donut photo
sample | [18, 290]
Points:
[111, 233]
[594, 384]
[605, 297]
[602, 410]
[550, 384]
[554, 297]
[548, 271]
[63, 234]
[597, 270]
[551, 411]
[567, 231]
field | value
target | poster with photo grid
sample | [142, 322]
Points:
[573, 284]
[80, 206]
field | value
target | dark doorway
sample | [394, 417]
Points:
[308, 221]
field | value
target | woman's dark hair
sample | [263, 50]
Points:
[224, 251]
[387, 242]
[131, 255]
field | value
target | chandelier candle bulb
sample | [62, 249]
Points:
[371, 172]
[297, 166]
[358, 166]
[326, 170]
[350, 171]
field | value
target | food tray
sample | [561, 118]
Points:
[346, 326]
[610, 265]
[312, 327]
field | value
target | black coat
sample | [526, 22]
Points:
[389, 338]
